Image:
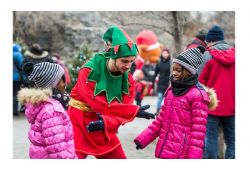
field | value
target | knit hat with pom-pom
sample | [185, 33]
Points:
[191, 59]
[44, 74]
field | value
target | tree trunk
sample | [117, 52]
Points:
[177, 33]
[14, 23]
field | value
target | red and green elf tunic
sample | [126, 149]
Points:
[101, 92]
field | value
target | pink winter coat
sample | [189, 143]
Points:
[50, 133]
[180, 126]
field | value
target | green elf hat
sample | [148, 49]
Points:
[121, 43]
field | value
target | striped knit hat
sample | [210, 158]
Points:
[191, 59]
[46, 74]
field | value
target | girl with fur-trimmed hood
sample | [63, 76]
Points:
[181, 124]
[50, 133]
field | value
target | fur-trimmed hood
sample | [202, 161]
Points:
[33, 95]
[35, 56]
[213, 97]
[34, 100]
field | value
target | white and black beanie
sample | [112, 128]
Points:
[46, 74]
[191, 59]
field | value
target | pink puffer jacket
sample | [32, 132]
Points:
[180, 126]
[51, 132]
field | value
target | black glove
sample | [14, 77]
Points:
[138, 145]
[145, 115]
[96, 125]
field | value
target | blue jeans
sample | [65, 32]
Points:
[211, 141]
[159, 100]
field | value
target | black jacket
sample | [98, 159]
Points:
[149, 72]
[163, 69]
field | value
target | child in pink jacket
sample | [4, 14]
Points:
[50, 133]
[181, 124]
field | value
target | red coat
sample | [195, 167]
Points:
[219, 74]
[114, 115]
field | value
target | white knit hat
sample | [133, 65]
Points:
[46, 74]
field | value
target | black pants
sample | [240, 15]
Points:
[138, 102]
[16, 88]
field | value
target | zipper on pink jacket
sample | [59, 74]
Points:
[182, 144]
[165, 138]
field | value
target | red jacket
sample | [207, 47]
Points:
[219, 74]
[114, 115]
[180, 126]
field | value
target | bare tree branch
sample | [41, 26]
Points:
[139, 14]
[151, 26]
[166, 17]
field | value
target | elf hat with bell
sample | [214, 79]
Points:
[121, 44]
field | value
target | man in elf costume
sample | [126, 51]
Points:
[102, 99]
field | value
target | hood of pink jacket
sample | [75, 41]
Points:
[32, 110]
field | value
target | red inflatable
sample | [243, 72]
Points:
[148, 45]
